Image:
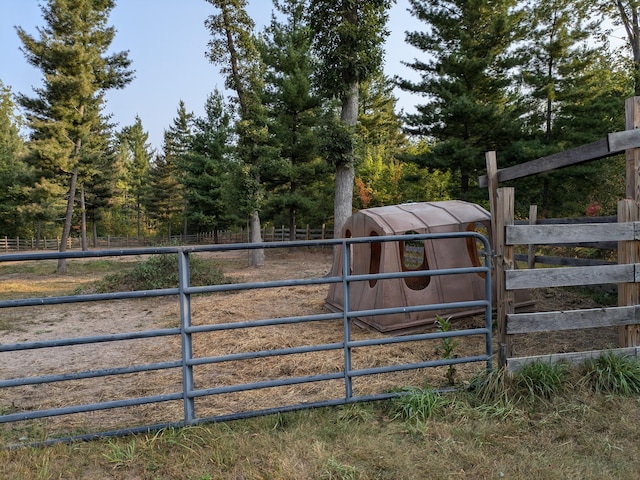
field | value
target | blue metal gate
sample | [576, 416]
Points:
[189, 393]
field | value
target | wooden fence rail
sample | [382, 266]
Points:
[269, 234]
[626, 274]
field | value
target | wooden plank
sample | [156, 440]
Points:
[564, 261]
[584, 153]
[614, 143]
[531, 251]
[568, 276]
[572, 220]
[557, 234]
[630, 138]
[516, 363]
[571, 319]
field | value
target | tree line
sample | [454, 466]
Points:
[306, 128]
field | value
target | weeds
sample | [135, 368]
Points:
[613, 374]
[121, 455]
[540, 380]
[419, 405]
[335, 470]
[448, 346]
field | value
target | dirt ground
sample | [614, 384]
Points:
[94, 319]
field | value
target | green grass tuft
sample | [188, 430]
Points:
[613, 374]
[540, 381]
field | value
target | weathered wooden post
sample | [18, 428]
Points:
[629, 211]
[504, 260]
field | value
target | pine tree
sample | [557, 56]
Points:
[233, 46]
[163, 199]
[206, 170]
[136, 154]
[295, 113]
[573, 96]
[65, 116]
[178, 145]
[15, 176]
[466, 79]
[379, 171]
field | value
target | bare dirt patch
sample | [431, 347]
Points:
[30, 324]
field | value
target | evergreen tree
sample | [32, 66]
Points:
[178, 145]
[233, 46]
[208, 188]
[573, 96]
[295, 113]
[466, 79]
[15, 176]
[379, 170]
[65, 116]
[136, 154]
[348, 40]
[163, 199]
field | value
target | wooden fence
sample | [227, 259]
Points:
[241, 235]
[626, 233]
[626, 274]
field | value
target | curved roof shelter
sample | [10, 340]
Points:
[385, 257]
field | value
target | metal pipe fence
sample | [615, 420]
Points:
[190, 391]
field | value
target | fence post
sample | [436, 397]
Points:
[504, 260]
[632, 111]
[629, 253]
[492, 186]
[531, 254]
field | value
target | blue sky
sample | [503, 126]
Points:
[167, 42]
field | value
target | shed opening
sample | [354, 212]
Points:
[413, 258]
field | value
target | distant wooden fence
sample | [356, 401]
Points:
[241, 235]
[626, 233]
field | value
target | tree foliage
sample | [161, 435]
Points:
[15, 176]
[295, 115]
[348, 41]
[65, 115]
[466, 80]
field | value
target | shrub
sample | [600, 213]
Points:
[161, 271]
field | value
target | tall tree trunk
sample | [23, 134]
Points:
[94, 228]
[66, 230]
[83, 220]
[39, 234]
[257, 255]
[345, 173]
[138, 207]
[184, 220]
[632, 27]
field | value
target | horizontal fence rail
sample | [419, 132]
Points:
[197, 371]
[625, 275]
[241, 235]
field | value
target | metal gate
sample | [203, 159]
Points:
[191, 388]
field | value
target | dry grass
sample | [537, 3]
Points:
[580, 436]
